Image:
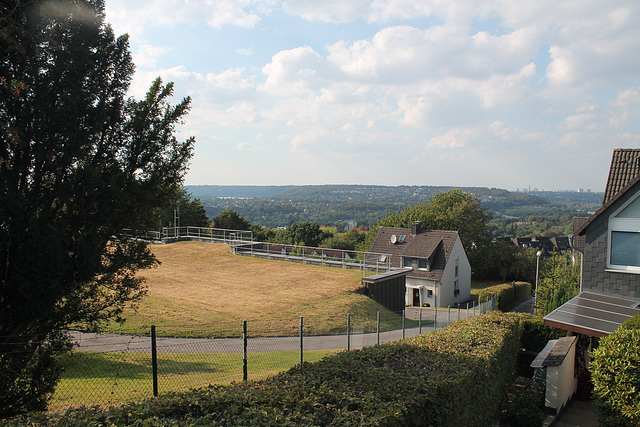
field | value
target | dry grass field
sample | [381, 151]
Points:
[201, 289]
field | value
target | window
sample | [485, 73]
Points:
[624, 238]
[430, 293]
[421, 263]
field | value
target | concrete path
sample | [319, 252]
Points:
[580, 414]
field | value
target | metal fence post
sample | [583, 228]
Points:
[154, 360]
[244, 351]
[301, 345]
[348, 331]
[378, 326]
[435, 318]
[403, 316]
[449, 316]
[420, 322]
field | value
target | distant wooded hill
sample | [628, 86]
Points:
[275, 206]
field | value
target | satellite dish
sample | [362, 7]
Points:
[393, 239]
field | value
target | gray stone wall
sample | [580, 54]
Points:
[595, 276]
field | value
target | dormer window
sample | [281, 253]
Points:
[419, 263]
[624, 238]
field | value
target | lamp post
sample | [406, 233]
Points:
[535, 294]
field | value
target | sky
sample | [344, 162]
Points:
[492, 93]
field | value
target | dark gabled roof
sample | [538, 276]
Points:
[625, 167]
[562, 243]
[624, 173]
[436, 245]
[579, 241]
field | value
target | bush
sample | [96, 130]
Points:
[615, 372]
[507, 293]
[535, 334]
[29, 372]
[632, 323]
[455, 376]
[523, 409]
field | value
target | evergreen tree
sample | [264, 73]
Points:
[559, 281]
[80, 166]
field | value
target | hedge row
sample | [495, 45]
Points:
[455, 376]
[507, 293]
[615, 371]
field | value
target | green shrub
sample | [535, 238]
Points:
[535, 334]
[615, 372]
[632, 323]
[523, 409]
[507, 293]
[455, 376]
[29, 372]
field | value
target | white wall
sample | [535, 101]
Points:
[561, 383]
[424, 292]
[446, 296]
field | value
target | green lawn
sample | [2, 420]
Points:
[108, 379]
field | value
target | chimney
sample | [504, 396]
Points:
[415, 228]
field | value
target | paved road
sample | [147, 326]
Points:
[142, 344]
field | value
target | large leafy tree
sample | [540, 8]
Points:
[451, 210]
[81, 165]
[231, 220]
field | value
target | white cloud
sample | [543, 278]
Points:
[625, 107]
[453, 139]
[328, 10]
[292, 72]
[147, 55]
[133, 17]
[245, 146]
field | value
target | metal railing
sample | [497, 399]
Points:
[220, 235]
[363, 261]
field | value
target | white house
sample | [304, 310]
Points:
[441, 275]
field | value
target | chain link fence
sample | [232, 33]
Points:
[111, 369]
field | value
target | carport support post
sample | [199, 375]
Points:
[154, 360]
[244, 351]
[301, 335]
